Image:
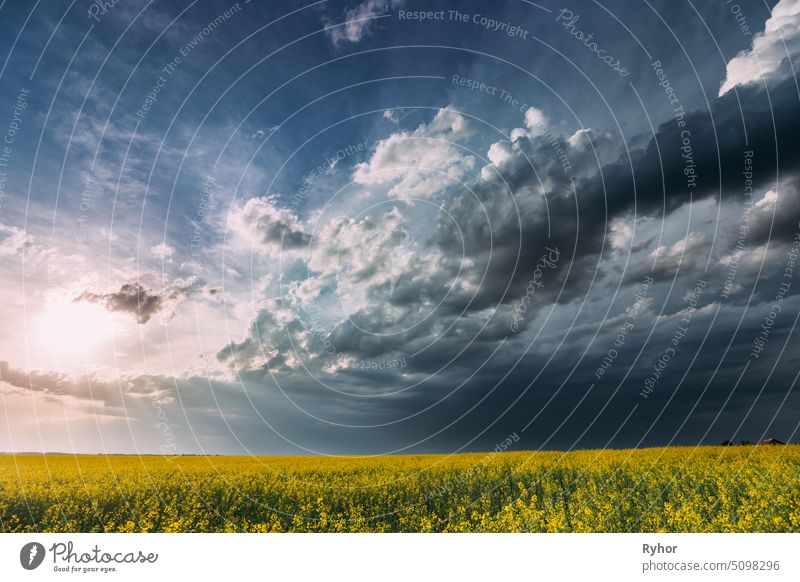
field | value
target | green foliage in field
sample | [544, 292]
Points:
[725, 489]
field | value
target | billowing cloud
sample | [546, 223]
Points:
[163, 251]
[776, 216]
[665, 261]
[771, 51]
[419, 163]
[359, 20]
[379, 277]
[143, 303]
[12, 240]
[266, 228]
[439, 237]
[132, 298]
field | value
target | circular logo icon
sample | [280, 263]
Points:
[31, 555]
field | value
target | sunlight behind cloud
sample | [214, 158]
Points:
[68, 329]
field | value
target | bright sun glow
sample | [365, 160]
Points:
[71, 329]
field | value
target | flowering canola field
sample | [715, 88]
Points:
[706, 489]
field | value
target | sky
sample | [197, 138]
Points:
[384, 226]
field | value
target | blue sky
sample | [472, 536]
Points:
[376, 226]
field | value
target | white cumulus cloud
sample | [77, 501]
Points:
[779, 41]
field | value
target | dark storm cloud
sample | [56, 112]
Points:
[650, 182]
[524, 204]
[778, 222]
[521, 205]
[268, 227]
[141, 302]
[701, 383]
[132, 298]
[751, 118]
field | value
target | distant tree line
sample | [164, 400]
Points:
[745, 443]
